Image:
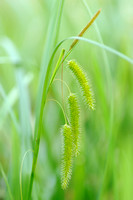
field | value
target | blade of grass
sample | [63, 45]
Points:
[44, 81]
[95, 43]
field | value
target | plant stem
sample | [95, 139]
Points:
[46, 87]
[85, 28]
[61, 109]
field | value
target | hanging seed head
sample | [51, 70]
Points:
[83, 82]
[66, 156]
[74, 121]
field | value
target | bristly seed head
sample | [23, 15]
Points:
[66, 156]
[74, 121]
[83, 81]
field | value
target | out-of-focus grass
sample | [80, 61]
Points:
[104, 168]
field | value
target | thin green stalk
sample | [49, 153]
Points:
[64, 84]
[45, 82]
[61, 108]
[85, 28]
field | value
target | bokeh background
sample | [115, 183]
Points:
[104, 168]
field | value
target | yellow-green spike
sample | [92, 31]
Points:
[83, 81]
[67, 156]
[74, 121]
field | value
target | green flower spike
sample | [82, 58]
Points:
[83, 81]
[67, 156]
[74, 121]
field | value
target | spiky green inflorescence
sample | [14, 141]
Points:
[83, 81]
[67, 155]
[74, 121]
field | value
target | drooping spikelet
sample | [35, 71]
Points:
[67, 156]
[74, 121]
[83, 81]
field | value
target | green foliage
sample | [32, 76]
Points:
[30, 58]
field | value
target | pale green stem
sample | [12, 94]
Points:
[60, 107]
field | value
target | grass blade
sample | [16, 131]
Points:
[45, 79]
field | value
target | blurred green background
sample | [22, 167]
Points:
[104, 168]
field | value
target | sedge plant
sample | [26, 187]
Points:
[47, 81]
[48, 75]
